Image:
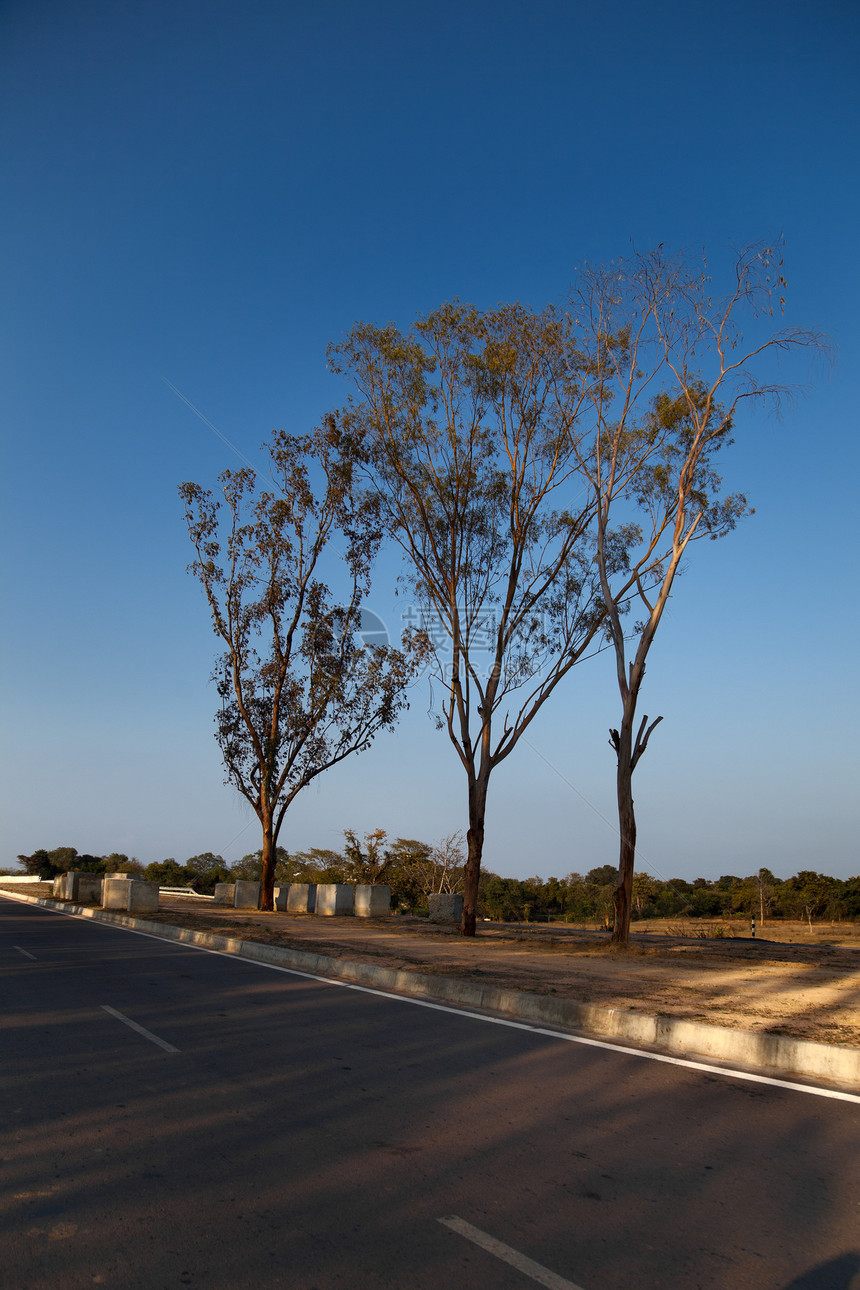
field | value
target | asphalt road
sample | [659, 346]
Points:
[261, 1129]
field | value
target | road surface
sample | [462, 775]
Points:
[173, 1117]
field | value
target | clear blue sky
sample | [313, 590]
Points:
[211, 193]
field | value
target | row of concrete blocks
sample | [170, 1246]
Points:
[134, 896]
[329, 899]
[111, 891]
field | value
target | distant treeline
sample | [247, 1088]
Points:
[414, 869]
[586, 898]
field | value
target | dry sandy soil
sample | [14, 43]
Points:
[806, 984]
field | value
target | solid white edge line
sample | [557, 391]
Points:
[521, 1262]
[685, 1062]
[26, 953]
[730, 1072]
[141, 1030]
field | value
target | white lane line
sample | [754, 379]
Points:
[141, 1030]
[26, 953]
[728, 1072]
[521, 1262]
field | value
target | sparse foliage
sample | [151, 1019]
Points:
[373, 863]
[466, 441]
[430, 869]
[298, 695]
[664, 369]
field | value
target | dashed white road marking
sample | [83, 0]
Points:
[507, 1254]
[26, 953]
[141, 1030]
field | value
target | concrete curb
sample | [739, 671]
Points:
[770, 1054]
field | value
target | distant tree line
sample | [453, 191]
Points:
[200, 872]
[588, 898]
[47, 864]
[411, 868]
[414, 870]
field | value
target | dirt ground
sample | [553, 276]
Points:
[806, 984]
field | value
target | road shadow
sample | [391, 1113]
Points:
[304, 1130]
[835, 1274]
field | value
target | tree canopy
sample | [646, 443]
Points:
[545, 473]
[664, 368]
[298, 693]
[464, 423]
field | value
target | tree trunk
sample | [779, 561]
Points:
[622, 897]
[267, 874]
[475, 841]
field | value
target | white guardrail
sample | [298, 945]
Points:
[184, 891]
[168, 891]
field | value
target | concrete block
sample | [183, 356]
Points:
[224, 893]
[142, 896]
[115, 892]
[83, 888]
[132, 895]
[335, 899]
[70, 885]
[282, 891]
[445, 907]
[372, 901]
[301, 898]
[58, 887]
[246, 895]
[90, 888]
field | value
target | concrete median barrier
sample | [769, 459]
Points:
[302, 898]
[445, 907]
[132, 895]
[372, 901]
[335, 899]
[246, 895]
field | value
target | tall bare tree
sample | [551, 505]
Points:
[665, 368]
[467, 424]
[298, 694]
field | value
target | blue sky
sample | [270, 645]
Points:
[210, 194]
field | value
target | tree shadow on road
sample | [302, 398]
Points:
[301, 1132]
[835, 1274]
